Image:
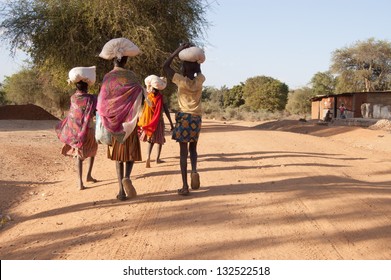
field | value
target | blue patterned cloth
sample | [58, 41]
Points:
[187, 127]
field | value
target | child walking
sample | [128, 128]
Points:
[77, 130]
[151, 122]
[188, 119]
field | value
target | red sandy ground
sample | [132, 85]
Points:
[24, 112]
[282, 190]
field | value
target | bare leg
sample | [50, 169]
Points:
[128, 169]
[148, 161]
[90, 165]
[193, 156]
[79, 166]
[195, 177]
[159, 151]
[120, 174]
[183, 164]
[126, 182]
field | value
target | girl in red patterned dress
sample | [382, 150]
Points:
[77, 130]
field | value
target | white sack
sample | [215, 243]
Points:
[192, 54]
[376, 111]
[84, 74]
[385, 112]
[153, 81]
[119, 47]
[102, 135]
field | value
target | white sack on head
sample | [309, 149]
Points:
[83, 74]
[153, 81]
[192, 54]
[119, 47]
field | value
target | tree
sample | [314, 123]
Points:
[23, 87]
[348, 82]
[207, 93]
[29, 87]
[61, 34]
[265, 93]
[234, 96]
[217, 96]
[3, 100]
[299, 101]
[323, 83]
[213, 100]
[364, 66]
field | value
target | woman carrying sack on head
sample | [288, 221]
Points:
[119, 105]
[77, 130]
[151, 121]
[188, 120]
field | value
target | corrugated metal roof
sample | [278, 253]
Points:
[320, 97]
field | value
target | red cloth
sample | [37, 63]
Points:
[150, 117]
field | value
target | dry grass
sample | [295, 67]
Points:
[244, 114]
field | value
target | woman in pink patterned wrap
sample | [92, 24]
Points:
[119, 104]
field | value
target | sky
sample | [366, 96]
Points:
[288, 40]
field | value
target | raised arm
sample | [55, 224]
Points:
[167, 64]
[167, 112]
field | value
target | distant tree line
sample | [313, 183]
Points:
[363, 66]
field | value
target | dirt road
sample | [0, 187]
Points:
[266, 194]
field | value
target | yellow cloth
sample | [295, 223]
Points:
[150, 116]
[189, 93]
[146, 115]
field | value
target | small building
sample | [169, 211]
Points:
[375, 105]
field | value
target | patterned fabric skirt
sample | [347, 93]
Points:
[89, 148]
[157, 137]
[187, 127]
[128, 151]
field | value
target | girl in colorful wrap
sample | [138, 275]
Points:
[188, 119]
[77, 130]
[119, 105]
[151, 121]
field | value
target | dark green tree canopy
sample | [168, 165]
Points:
[323, 83]
[61, 34]
[265, 93]
[364, 66]
[3, 99]
[234, 96]
[23, 87]
[299, 101]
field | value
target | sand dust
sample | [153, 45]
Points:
[278, 190]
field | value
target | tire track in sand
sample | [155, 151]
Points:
[135, 246]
